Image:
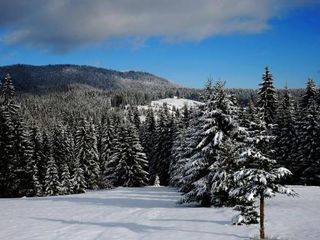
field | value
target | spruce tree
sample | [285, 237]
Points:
[285, 132]
[310, 94]
[210, 176]
[267, 101]
[308, 157]
[185, 116]
[46, 155]
[8, 156]
[52, 184]
[128, 164]
[65, 180]
[79, 184]
[148, 141]
[87, 153]
[107, 148]
[61, 151]
[8, 90]
[37, 156]
[25, 166]
[259, 175]
[165, 137]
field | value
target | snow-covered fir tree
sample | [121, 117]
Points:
[184, 152]
[52, 184]
[87, 153]
[25, 168]
[267, 100]
[46, 155]
[36, 142]
[165, 131]
[285, 132]
[106, 150]
[156, 182]
[259, 176]
[78, 181]
[179, 157]
[210, 171]
[185, 116]
[8, 90]
[62, 150]
[65, 180]
[7, 161]
[136, 118]
[307, 158]
[128, 163]
[310, 94]
[148, 141]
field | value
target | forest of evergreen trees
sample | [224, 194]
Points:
[227, 152]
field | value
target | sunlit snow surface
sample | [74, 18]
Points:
[150, 213]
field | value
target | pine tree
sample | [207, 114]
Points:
[61, 147]
[8, 91]
[128, 163]
[165, 137]
[8, 157]
[46, 155]
[310, 94]
[267, 101]
[179, 157]
[185, 116]
[183, 150]
[210, 168]
[285, 132]
[308, 157]
[148, 141]
[79, 184]
[106, 143]
[65, 180]
[25, 165]
[87, 153]
[36, 142]
[259, 176]
[52, 184]
[136, 118]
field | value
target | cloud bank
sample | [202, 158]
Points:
[63, 25]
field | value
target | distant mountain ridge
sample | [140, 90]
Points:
[30, 78]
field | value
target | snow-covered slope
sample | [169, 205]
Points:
[150, 213]
[175, 102]
[172, 103]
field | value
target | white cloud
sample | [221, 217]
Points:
[67, 24]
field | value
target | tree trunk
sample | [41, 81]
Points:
[262, 236]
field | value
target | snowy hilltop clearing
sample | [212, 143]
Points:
[150, 213]
[177, 103]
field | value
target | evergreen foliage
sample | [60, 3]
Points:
[165, 134]
[65, 180]
[52, 184]
[87, 153]
[267, 100]
[128, 164]
[79, 184]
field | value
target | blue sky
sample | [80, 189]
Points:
[234, 46]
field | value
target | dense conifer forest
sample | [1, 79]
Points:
[239, 146]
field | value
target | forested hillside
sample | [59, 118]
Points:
[228, 151]
[35, 78]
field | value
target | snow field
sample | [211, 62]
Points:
[150, 213]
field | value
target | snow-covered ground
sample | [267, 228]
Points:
[176, 102]
[172, 102]
[150, 213]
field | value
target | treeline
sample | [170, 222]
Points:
[78, 139]
[85, 151]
